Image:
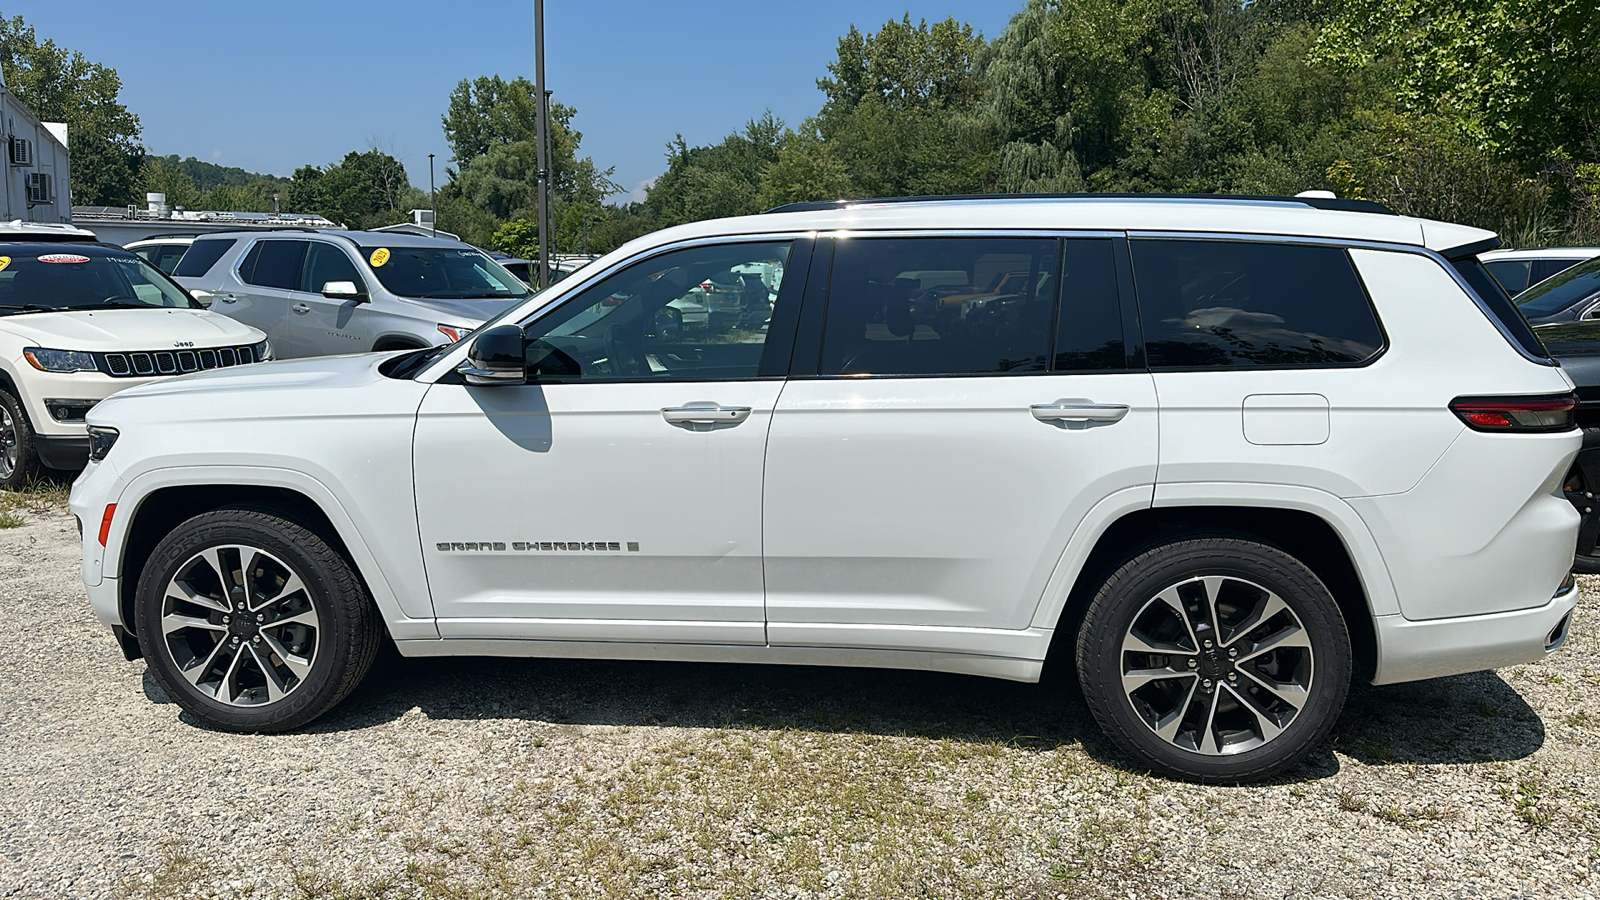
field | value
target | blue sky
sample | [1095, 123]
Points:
[269, 86]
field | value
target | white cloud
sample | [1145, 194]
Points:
[637, 194]
[216, 154]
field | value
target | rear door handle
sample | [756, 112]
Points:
[1078, 411]
[301, 308]
[710, 414]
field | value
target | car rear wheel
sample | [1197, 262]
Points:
[19, 461]
[252, 622]
[1215, 659]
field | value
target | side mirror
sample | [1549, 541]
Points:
[498, 356]
[343, 290]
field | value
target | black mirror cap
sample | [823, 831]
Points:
[498, 356]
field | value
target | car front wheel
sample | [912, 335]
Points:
[1215, 659]
[19, 462]
[252, 622]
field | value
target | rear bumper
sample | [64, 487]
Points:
[1433, 648]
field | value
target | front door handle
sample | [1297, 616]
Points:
[710, 414]
[301, 308]
[1078, 411]
[228, 298]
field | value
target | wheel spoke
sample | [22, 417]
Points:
[1171, 599]
[1208, 734]
[1292, 636]
[1167, 727]
[195, 671]
[309, 617]
[227, 691]
[186, 593]
[1270, 606]
[299, 665]
[172, 623]
[292, 585]
[213, 558]
[1136, 643]
[1292, 694]
[276, 689]
[1137, 678]
[1265, 726]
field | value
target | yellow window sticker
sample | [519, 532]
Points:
[379, 257]
[4, 261]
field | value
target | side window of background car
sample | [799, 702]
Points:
[697, 313]
[1220, 304]
[201, 256]
[325, 263]
[274, 264]
[940, 306]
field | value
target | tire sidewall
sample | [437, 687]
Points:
[321, 685]
[1125, 594]
[28, 464]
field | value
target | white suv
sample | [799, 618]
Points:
[80, 320]
[1224, 454]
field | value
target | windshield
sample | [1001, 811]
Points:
[446, 273]
[54, 277]
[1559, 292]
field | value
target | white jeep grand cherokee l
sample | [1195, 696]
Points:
[80, 320]
[1226, 454]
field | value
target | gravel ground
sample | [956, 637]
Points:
[487, 778]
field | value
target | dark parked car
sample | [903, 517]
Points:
[1569, 296]
[1576, 345]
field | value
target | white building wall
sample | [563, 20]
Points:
[49, 157]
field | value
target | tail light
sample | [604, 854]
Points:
[1519, 414]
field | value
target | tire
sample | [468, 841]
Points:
[1159, 671]
[19, 458]
[214, 661]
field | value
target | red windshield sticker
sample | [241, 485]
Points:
[63, 258]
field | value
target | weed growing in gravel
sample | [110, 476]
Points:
[9, 518]
[1526, 799]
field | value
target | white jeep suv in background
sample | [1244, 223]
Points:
[1224, 454]
[80, 320]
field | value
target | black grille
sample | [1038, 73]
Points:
[140, 364]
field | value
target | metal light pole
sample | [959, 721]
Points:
[433, 205]
[544, 154]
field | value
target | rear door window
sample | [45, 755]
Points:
[1227, 304]
[940, 306]
[274, 264]
[201, 256]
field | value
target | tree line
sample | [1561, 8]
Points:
[1485, 112]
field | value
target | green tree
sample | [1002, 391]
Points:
[519, 238]
[60, 85]
[904, 66]
[1521, 77]
[363, 190]
[718, 180]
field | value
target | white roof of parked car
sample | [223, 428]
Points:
[18, 230]
[1217, 215]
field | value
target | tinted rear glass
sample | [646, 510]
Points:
[274, 264]
[940, 306]
[1222, 304]
[1089, 336]
[201, 256]
[1561, 291]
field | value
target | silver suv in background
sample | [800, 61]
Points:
[317, 293]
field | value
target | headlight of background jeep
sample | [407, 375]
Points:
[263, 351]
[100, 441]
[59, 360]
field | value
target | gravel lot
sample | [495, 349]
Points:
[486, 778]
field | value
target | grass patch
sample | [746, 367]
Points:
[1527, 798]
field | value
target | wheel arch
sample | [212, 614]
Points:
[1322, 545]
[162, 506]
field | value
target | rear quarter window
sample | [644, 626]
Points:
[1230, 304]
[201, 256]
